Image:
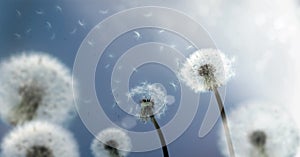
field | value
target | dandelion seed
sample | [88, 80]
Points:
[152, 102]
[39, 139]
[137, 35]
[161, 31]
[28, 30]
[189, 47]
[173, 84]
[111, 56]
[107, 66]
[35, 86]
[103, 11]
[17, 35]
[263, 130]
[73, 31]
[48, 25]
[90, 42]
[81, 23]
[111, 142]
[207, 70]
[18, 12]
[58, 8]
[134, 69]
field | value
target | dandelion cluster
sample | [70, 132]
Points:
[206, 69]
[35, 86]
[39, 139]
[151, 98]
[261, 129]
[111, 142]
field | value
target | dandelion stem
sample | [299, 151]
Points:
[263, 152]
[161, 136]
[224, 120]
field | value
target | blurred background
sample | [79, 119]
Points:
[262, 35]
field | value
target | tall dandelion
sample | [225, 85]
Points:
[261, 130]
[207, 70]
[111, 142]
[152, 102]
[35, 86]
[39, 139]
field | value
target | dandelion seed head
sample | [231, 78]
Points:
[111, 142]
[39, 139]
[258, 138]
[151, 100]
[39, 151]
[32, 95]
[206, 69]
[259, 126]
[207, 72]
[147, 109]
[35, 86]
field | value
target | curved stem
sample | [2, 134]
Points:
[225, 123]
[161, 136]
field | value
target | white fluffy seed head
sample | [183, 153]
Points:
[35, 86]
[151, 100]
[278, 135]
[36, 137]
[205, 69]
[111, 142]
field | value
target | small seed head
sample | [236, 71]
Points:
[147, 109]
[258, 138]
[39, 151]
[31, 97]
[111, 147]
[207, 71]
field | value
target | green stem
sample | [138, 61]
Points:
[225, 123]
[161, 136]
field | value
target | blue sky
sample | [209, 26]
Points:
[42, 26]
